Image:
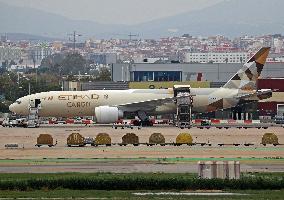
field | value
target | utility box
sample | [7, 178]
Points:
[219, 169]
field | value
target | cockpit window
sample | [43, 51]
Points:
[18, 102]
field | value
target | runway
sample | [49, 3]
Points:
[126, 166]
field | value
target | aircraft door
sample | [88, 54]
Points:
[35, 103]
[38, 103]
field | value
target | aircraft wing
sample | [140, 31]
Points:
[147, 105]
[256, 96]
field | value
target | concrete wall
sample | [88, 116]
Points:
[219, 169]
[170, 84]
[120, 72]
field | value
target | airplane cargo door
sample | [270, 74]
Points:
[35, 103]
[280, 109]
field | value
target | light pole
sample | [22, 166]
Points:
[29, 88]
[74, 35]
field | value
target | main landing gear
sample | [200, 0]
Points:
[144, 120]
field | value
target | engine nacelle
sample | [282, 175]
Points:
[106, 114]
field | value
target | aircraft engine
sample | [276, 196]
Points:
[106, 114]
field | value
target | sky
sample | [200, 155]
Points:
[128, 12]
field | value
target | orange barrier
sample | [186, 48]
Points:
[87, 121]
[52, 122]
[119, 121]
[248, 121]
[197, 121]
[215, 121]
[231, 121]
[70, 121]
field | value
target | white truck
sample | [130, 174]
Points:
[21, 122]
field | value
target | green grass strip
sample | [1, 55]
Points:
[150, 181]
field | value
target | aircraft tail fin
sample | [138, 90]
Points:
[247, 76]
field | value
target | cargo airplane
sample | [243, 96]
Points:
[110, 105]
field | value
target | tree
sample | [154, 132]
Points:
[52, 64]
[12, 62]
[59, 64]
[4, 108]
[2, 70]
[13, 89]
[21, 61]
[5, 65]
[73, 64]
[104, 74]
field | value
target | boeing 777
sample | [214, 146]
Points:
[110, 105]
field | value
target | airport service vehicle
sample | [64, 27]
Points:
[279, 119]
[205, 123]
[88, 140]
[61, 122]
[22, 122]
[12, 122]
[6, 123]
[110, 105]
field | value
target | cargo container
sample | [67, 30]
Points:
[45, 139]
[75, 139]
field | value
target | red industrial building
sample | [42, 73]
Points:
[264, 109]
[274, 105]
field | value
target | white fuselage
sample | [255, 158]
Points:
[83, 103]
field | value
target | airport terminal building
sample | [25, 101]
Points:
[140, 72]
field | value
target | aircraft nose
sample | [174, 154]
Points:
[13, 107]
[19, 107]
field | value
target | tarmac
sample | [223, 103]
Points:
[122, 159]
